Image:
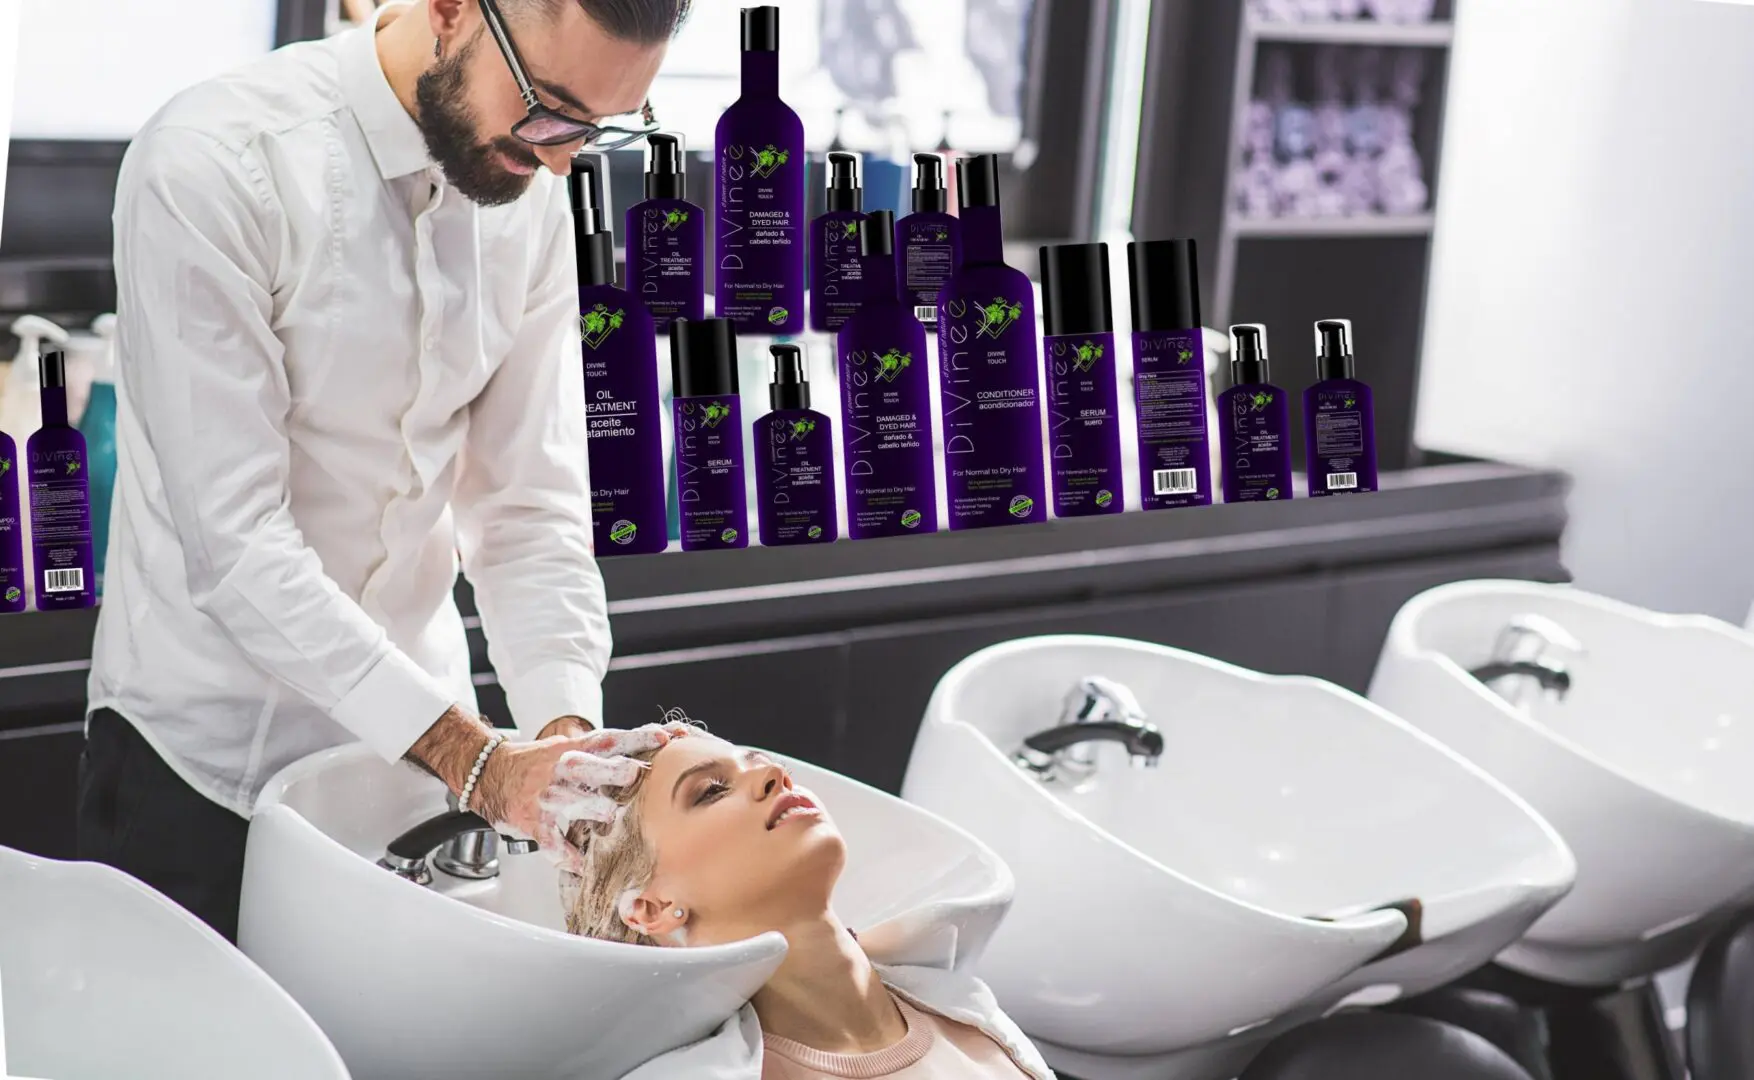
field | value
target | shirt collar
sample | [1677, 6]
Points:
[395, 140]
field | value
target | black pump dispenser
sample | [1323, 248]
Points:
[590, 228]
[761, 29]
[790, 388]
[844, 192]
[878, 235]
[1248, 354]
[977, 181]
[1075, 295]
[1334, 349]
[666, 176]
[929, 194]
[703, 357]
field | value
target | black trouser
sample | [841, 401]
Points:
[137, 815]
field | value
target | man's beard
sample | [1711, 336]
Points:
[448, 126]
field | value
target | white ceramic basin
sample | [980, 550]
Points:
[1646, 766]
[103, 978]
[468, 979]
[1163, 921]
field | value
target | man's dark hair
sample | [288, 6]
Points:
[645, 21]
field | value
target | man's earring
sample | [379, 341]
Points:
[436, 54]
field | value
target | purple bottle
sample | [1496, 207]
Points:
[1084, 414]
[837, 279]
[794, 460]
[12, 598]
[759, 192]
[888, 442]
[1254, 423]
[1169, 375]
[1339, 421]
[624, 442]
[928, 242]
[711, 490]
[990, 379]
[60, 500]
[666, 240]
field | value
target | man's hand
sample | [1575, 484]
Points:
[572, 727]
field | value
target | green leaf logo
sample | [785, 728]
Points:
[852, 228]
[715, 412]
[729, 536]
[910, 518]
[13, 594]
[1272, 493]
[1021, 506]
[673, 219]
[5, 466]
[597, 324]
[997, 317]
[768, 160]
[1086, 355]
[801, 428]
[943, 235]
[1103, 498]
[892, 363]
[72, 467]
[778, 315]
[814, 532]
[1260, 400]
[622, 532]
[1351, 401]
[1184, 356]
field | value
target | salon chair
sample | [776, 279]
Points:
[1720, 1006]
[1382, 1046]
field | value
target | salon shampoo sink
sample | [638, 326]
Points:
[1170, 920]
[1645, 764]
[469, 979]
[103, 978]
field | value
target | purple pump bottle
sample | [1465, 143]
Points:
[12, 598]
[666, 240]
[990, 379]
[710, 486]
[1084, 416]
[60, 500]
[624, 443]
[794, 460]
[837, 280]
[891, 474]
[1254, 421]
[759, 188]
[1339, 419]
[928, 242]
[1169, 375]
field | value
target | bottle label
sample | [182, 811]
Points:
[1084, 426]
[837, 274]
[1258, 463]
[60, 515]
[891, 486]
[797, 496]
[709, 473]
[1340, 458]
[12, 575]
[623, 442]
[1169, 396]
[666, 267]
[928, 259]
[992, 409]
[760, 190]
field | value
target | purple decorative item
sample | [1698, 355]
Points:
[666, 240]
[711, 490]
[1339, 421]
[1296, 131]
[794, 460]
[1169, 375]
[928, 243]
[1084, 419]
[837, 277]
[60, 500]
[759, 187]
[886, 407]
[1254, 423]
[12, 573]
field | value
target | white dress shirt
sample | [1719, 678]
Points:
[338, 379]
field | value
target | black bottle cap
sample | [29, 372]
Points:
[1334, 349]
[929, 194]
[596, 244]
[1074, 290]
[977, 181]
[877, 235]
[52, 374]
[1166, 285]
[666, 177]
[844, 192]
[761, 29]
[1248, 354]
[703, 358]
[790, 388]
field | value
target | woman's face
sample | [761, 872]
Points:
[739, 848]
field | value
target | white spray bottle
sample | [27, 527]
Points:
[21, 414]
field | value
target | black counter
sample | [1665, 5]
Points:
[830, 653]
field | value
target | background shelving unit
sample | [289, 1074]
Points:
[1288, 272]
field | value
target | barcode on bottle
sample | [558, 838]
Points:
[1342, 481]
[926, 313]
[1174, 482]
[63, 580]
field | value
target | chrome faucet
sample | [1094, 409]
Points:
[1095, 710]
[1527, 659]
[460, 843]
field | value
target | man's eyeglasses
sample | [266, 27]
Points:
[543, 126]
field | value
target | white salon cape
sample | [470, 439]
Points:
[339, 381]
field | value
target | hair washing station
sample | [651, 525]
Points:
[473, 975]
[1294, 848]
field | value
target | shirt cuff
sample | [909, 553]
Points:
[550, 691]
[393, 706]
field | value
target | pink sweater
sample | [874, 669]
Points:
[933, 1049]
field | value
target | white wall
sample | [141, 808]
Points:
[1592, 299]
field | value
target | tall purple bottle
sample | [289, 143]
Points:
[1169, 375]
[759, 186]
[1084, 415]
[60, 500]
[887, 439]
[837, 278]
[710, 485]
[990, 382]
[1339, 418]
[1254, 421]
[624, 442]
[794, 460]
[666, 240]
[12, 598]
[928, 242]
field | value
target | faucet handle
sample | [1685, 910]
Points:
[1097, 697]
[1530, 637]
[516, 845]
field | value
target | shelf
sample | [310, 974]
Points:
[1339, 228]
[1359, 32]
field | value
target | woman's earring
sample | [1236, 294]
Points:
[679, 913]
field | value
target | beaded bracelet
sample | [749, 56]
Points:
[493, 742]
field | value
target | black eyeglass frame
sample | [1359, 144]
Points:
[596, 136]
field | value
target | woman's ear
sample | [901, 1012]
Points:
[654, 916]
